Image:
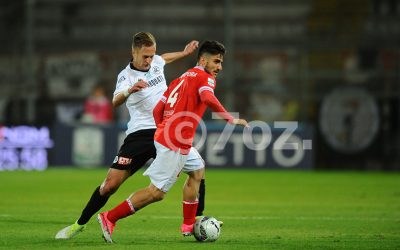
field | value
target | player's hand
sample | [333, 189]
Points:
[138, 86]
[241, 122]
[191, 47]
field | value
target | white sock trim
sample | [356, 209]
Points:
[130, 205]
[190, 202]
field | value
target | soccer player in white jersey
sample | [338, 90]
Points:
[140, 85]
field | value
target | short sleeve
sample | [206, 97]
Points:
[122, 83]
[158, 60]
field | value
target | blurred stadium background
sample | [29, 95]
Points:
[333, 66]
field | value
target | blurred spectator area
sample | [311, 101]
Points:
[284, 57]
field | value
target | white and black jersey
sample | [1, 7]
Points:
[141, 104]
[138, 146]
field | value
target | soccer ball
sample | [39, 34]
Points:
[206, 229]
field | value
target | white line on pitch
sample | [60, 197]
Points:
[323, 218]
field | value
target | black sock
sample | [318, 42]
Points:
[93, 206]
[202, 194]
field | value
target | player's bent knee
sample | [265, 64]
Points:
[197, 175]
[159, 197]
[156, 194]
[108, 189]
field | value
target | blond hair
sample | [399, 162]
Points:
[141, 39]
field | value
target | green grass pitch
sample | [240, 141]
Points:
[260, 209]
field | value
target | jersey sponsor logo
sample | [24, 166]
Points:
[156, 81]
[122, 160]
[211, 82]
[169, 112]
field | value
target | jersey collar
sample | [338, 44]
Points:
[200, 68]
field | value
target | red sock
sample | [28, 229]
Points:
[189, 212]
[121, 211]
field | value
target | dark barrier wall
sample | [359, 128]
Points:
[270, 148]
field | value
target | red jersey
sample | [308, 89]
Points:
[181, 108]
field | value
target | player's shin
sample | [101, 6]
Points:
[96, 202]
[202, 194]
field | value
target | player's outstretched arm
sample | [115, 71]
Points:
[121, 97]
[189, 49]
[213, 103]
[208, 98]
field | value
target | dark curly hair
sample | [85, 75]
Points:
[211, 47]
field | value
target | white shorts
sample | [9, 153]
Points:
[164, 170]
[194, 161]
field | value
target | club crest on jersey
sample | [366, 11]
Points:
[122, 160]
[156, 70]
[211, 82]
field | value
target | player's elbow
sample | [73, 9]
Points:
[116, 102]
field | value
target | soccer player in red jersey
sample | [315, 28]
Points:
[177, 116]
